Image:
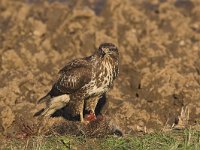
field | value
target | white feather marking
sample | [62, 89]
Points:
[69, 80]
[62, 98]
[56, 103]
[72, 81]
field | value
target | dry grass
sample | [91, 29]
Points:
[177, 139]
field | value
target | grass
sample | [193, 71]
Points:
[173, 140]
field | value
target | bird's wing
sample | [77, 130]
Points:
[74, 76]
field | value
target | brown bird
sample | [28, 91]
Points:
[83, 81]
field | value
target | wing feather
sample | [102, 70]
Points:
[74, 76]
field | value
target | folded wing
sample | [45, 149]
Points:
[72, 77]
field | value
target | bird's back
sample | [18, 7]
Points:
[72, 77]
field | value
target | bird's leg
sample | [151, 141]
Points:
[76, 105]
[81, 111]
[90, 106]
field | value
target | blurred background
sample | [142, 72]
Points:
[159, 82]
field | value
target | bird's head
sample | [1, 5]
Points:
[108, 49]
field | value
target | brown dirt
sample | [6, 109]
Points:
[158, 43]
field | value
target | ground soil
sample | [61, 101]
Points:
[159, 82]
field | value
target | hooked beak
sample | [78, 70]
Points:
[105, 50]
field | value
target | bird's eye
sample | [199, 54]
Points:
[113, 49]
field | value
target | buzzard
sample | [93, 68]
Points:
[83, 81]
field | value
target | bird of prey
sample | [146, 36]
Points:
[83, 81]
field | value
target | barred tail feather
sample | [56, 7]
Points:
[48, 112]
[55, 103]
[43, 99]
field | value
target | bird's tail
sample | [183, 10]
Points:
[43, 99]
[56, 103]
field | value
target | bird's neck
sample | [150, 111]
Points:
[106, 59]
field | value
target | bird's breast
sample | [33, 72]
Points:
[102, 79]
[105, 77]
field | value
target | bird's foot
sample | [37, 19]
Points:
[90, 117]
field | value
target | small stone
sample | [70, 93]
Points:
[182, 43]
